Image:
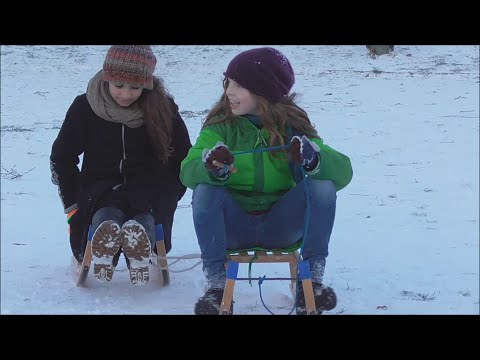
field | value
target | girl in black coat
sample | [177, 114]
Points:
[133, 140]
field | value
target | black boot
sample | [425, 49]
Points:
[325, 298]
[209, 304]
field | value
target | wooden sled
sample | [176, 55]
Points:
[234, 258]
[159, 262]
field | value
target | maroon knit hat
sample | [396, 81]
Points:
[133, 64]
[263, 71]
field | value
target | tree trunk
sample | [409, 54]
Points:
[377, 50]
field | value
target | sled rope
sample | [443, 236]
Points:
[305, 225]
[305, 232]
[177, 259]
[274, 148]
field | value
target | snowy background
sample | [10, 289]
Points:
[406, 236]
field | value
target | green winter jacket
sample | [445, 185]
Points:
[261, 179]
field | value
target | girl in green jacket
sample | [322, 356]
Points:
[245, 196]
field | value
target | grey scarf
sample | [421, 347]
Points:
[104, 106]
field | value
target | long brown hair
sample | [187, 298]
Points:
[158, 113]
[276, 117]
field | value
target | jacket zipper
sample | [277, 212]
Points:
[259, 171]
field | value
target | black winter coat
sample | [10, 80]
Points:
[114, 154]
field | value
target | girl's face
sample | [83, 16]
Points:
[124, 94]
[241, 100]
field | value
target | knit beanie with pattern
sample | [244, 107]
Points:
[132, 64]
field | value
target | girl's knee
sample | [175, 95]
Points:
[108, 213]
[323, 192]
[207, 189]
[207, 196]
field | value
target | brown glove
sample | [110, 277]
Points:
[220, 154]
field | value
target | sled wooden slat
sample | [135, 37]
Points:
[162, 263]
[83, 268]
[265, 256]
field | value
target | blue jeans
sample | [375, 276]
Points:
[220, 224]
[110, 213]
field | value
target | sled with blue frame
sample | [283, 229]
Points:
[298, 271]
